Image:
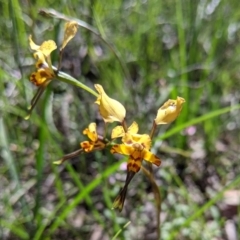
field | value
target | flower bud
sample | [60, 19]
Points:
[110, 109]
[169, 111]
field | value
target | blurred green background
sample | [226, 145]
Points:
[187, 48]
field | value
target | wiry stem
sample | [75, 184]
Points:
[154, 127]
[156, 191]
[117, 234]
[124, 125]
[69, 156]
[60, 60]
[36, 98]
[157, 197]
[105, 130]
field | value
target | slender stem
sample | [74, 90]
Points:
[60, 60]
[105, 130]
[36, 98]
[124, 125]
[157, 197]
[69, 156]
[125, 226]
[154, 127]
[156, 190]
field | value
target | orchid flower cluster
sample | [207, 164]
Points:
[132, 144]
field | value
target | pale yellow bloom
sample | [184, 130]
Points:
[110, 109]
[169, 111]
[69, 33]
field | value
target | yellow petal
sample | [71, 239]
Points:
[47, 47]
[41, 76]
[134, 164]
[117, 132]
[122, 149]
[129, 139]
[169, 111]
[39, 56]
[70, 32]
[143, 139]
[150, 157]
[87, 146]
[91, 132]
[33, 46]
[110, 109]
[133, 129]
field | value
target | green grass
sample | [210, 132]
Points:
[143, 53]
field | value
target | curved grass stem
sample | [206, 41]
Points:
[55, 14]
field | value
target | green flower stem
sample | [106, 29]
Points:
[64, 77]
[156, 191]
[154, 127]
[124, 227]
[157, 197]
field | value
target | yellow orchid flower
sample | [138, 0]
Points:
[44, 66]
[137, 147]
[118, 131]
[96, 142]
[44, 73]
[169, 111]
[110, 109]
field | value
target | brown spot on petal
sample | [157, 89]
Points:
[134, 165]
[43, 74]
[113, 150]
[33, 78]
[39, 64]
